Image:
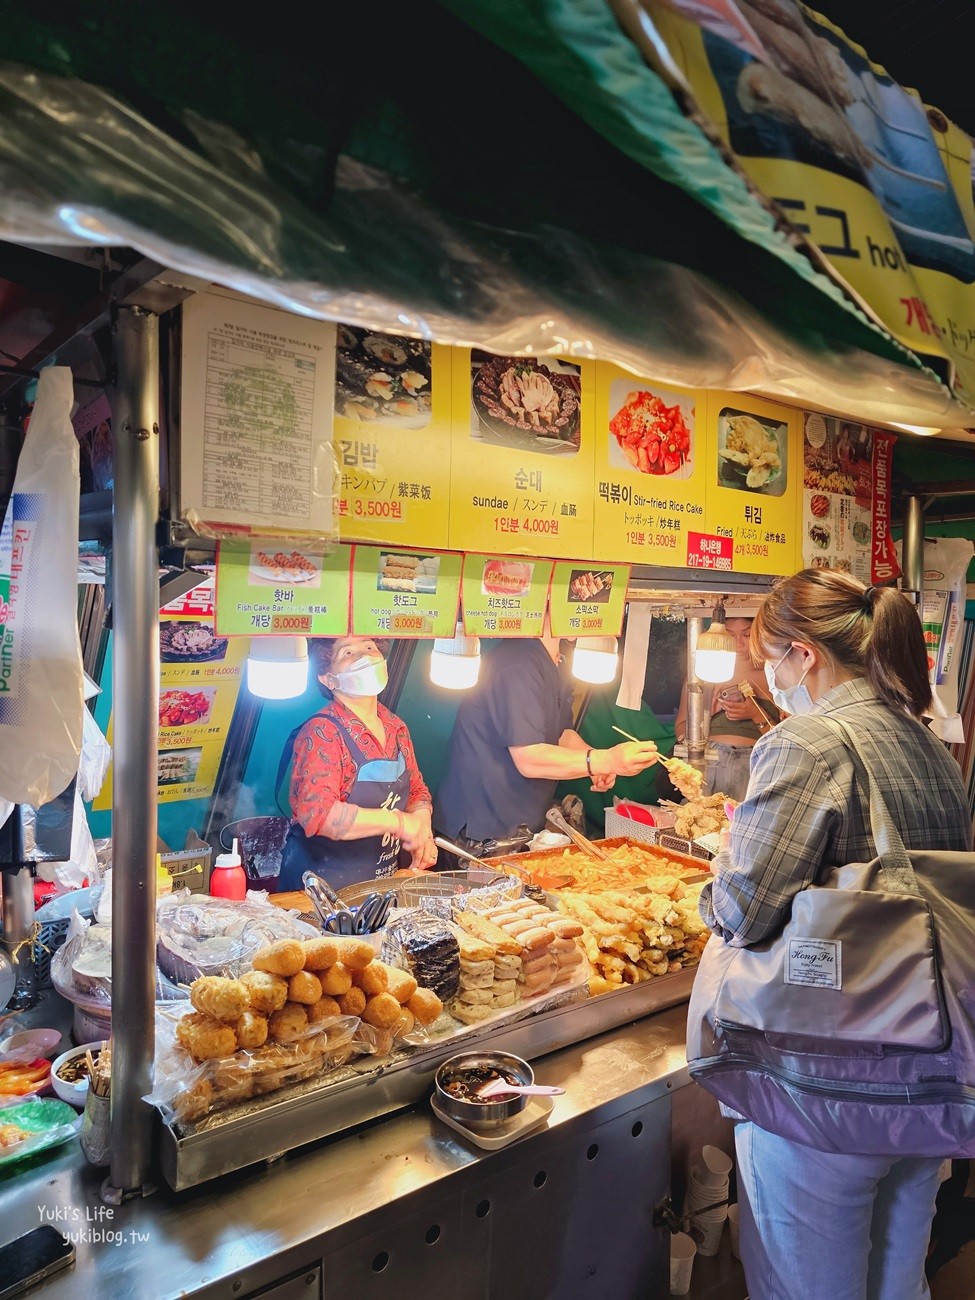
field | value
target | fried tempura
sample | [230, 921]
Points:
[219, 998]
[251, 1030]
[289, 1023]
[206, 1039]
[267, 992]
[285, 957]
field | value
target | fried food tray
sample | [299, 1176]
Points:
[542, 866]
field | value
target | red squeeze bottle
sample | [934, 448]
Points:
[227, 876]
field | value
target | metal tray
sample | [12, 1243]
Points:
[263, 1129]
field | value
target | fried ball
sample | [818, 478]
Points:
[354, 954]
[320, 953]
[267, 992]
[352, 1003]
[184, 1026]
[372, 979]
[405, 1024]
[289, 1023]
[325, 1008]
[219, 998]
[336, 980]
[400, 983]
[305, 988]
[425, 1005]
[207, 1040]
[251, 1030]
[383, 1011]
[285, 957]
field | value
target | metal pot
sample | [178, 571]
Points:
[483, 1116]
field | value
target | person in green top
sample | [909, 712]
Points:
[736, 720]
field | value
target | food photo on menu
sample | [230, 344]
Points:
[752, 452]
[382, 378]
[178, 766]
[525, 403]
[184, 641]
[651, 430]
[283, 568]
[588, 586]
[837, 490]
[506, 577]
[406, 572]
[184, 708]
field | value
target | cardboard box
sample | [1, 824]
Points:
[189, 866]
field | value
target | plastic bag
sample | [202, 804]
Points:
[42, 1122]
[96, 754]
[186, 1090]
[41, 675]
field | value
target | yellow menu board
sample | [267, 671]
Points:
[587, 600]
[391, 437]
[404, 593]
[754, 459]
[650, 468]
[504, 597]
[199, 680]
[522, 455]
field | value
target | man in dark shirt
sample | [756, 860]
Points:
[513, 742]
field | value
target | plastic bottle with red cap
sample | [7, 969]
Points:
[227, 876]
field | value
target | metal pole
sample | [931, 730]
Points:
[912, 549]
[135, 674]
[697, 736]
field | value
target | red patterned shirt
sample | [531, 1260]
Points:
[324, 771]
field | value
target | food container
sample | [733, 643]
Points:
[30, 1043]
[469, 1071]
[73, 1092]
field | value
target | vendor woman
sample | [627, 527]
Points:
[357, 796]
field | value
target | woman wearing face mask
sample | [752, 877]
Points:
[357, 796]
[851, 1226]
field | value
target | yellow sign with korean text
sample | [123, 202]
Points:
[522, 455]
[588, 600]
[199, 681]
[650, 469]
[754, 457]
[404, 593]
[391, 437]
[879, 181]
[261, 589]
[504, 596]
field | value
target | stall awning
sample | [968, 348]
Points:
[491, 172]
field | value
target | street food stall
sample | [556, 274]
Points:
[310, 436]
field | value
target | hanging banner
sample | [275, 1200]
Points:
[504, 597]
[262, 588]
[392, 437]
[650, 468]
[883, 553]
[588, 600]
[876, 179]
[404, 593]
[837, 497]
[199, 681]
[754, 464]
[522, 455]
[256, 406]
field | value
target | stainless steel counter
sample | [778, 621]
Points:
[237, 1235]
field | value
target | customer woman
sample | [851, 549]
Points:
[357, 796]
[736, 720]
[814, 1223]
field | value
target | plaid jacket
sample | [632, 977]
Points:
[805, 811]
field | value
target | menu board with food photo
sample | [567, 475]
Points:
[753, 480]
[588, 599]
[504, 597]
[404, 593]
[522, 454]
[836, 495]
[388, 390]
[649, 471]
[263, 589]
[199, 680]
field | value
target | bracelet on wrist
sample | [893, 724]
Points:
[589, 765]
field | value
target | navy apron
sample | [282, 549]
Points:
[379, 783]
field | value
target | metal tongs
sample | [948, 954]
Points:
[337, 917]
[554, 818]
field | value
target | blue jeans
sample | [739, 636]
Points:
[820, 1226]
[728, 774]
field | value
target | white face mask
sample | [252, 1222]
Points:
[790, 699]
[367, 676]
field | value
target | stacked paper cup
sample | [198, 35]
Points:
[708, 1185]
